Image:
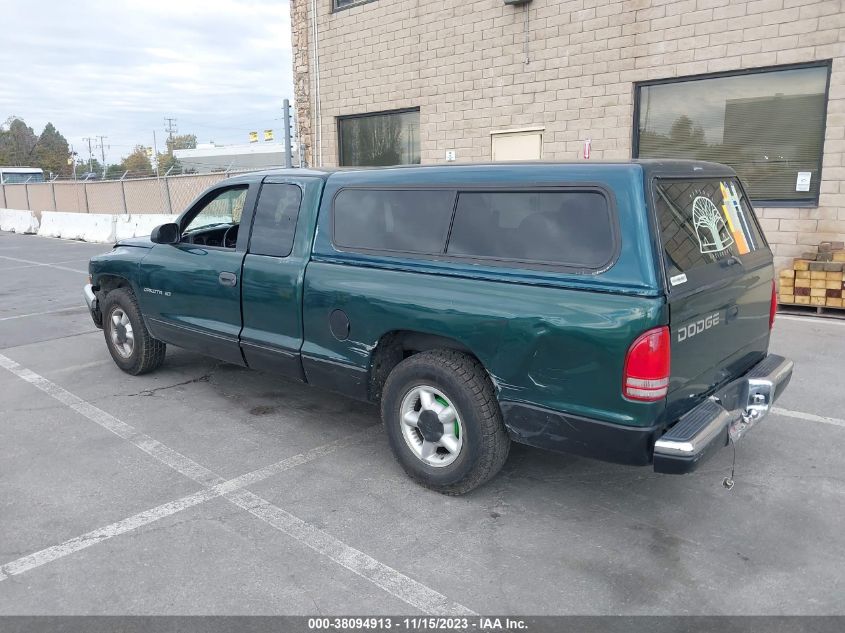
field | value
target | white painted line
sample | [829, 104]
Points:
[390, 580]
[57, 267]
[393, 582]
[154, 448]
[55, 552]
[809, 319]
[35, 314]
[809, 416]
[72, 368]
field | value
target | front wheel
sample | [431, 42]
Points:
[443, 421]
[130, 344]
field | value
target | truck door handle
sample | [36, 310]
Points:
[227, 279]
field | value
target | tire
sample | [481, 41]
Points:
[128, 340]
[472, 448]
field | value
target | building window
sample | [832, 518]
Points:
[384, 138]
[343, 4]
[768, 125]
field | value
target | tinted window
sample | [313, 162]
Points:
[703, 221]
[411, 221]
[275, 220]
[570, 228]
[391, 138]
[768, 125]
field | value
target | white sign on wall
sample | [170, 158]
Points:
[802, 183]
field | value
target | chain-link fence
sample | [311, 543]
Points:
[169, 194]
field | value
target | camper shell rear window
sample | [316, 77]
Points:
[703, 222]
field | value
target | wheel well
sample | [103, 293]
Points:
[394, 347]
[107, 283]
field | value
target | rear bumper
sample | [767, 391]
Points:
[723, 418]
[93, 305]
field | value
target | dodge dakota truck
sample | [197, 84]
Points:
[619, 311]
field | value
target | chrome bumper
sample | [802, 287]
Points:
[93, 305]
[723, 418]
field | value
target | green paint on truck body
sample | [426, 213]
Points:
[554, 340]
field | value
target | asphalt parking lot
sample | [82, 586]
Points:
[204, 488]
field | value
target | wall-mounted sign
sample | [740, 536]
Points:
[253, 137]
[802, 183]
[268, 135]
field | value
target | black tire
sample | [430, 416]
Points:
[485, 441]
[147, 353]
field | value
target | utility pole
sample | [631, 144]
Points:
[103, 152]
[288, 157]
[90, 154]
[170, 128]
[155, 152]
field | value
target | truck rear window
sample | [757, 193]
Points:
[703, 221]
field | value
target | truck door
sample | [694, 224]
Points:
[190, 291]
[274, 267]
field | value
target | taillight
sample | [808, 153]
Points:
[773, 308]
[647, 364]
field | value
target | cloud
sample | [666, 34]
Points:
[221, 68]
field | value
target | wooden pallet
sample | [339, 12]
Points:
[807, 310]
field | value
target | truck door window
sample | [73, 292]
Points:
[702, 222]
[274, 225]
[216, 223]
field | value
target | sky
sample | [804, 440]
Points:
[221, 68]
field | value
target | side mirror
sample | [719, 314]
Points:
[166, 234]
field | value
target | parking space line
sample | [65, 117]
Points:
[808, 416]
[383, 576]
[56, 266]
[55, 552]
[393, 582]
[154, 448]
[46, 312]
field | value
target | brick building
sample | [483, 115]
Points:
[756, 84]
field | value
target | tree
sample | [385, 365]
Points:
[167, 161]
[17, 142]
[82, 167]
[137, 163]
[114, 172]
[182, 141]
[51, 151]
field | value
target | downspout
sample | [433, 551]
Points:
[317, 115]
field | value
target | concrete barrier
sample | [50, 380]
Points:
[18, 221]
[136, 225]
[99, 227]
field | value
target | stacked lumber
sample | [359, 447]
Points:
[815, 279]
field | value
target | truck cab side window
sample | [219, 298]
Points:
[274, 225]
[217, 222]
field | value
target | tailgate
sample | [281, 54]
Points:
[719, 277]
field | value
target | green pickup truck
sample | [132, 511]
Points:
[620, 311]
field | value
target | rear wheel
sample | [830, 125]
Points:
[131, 346]
[443, 421]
